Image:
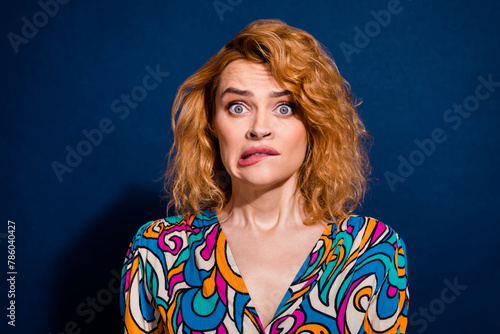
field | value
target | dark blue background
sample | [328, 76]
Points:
[72, 235]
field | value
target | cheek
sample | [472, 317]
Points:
[227, 138]
[298, 138]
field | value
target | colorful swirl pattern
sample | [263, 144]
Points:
[180, 277]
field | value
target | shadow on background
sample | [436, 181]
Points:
[86, 282]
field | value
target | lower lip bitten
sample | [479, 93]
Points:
[253, 159]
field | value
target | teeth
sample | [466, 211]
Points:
[248, 156]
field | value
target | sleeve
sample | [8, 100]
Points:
[136, 302]
[388, 308]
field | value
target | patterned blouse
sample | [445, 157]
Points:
[179, 276]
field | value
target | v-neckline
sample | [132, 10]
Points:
[241, 281]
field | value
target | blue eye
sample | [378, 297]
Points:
[237, 108]
[284, 110]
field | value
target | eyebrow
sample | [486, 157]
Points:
[249, 93]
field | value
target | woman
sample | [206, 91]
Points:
[268, 167]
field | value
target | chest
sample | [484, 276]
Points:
[268, 265]
[273, 261]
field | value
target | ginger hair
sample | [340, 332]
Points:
[333, 177]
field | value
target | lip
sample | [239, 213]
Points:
[269, 151]
[259, 149]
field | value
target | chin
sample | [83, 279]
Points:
[263, 179]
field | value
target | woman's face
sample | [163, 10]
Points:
[262, 141]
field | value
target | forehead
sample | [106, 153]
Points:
[246, 75]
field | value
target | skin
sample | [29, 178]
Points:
[265, 215]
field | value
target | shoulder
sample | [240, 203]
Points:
[366, 227]
[369, 235]
[161, 243]
[178, 225]
[375, 262]
[373, 247]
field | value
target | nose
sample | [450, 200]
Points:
[260, 125]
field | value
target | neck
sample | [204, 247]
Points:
[265, 209]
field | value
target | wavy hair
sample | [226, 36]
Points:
[333, 177]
